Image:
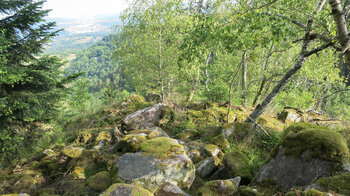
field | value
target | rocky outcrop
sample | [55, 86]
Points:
[147, 118]
[161, 160]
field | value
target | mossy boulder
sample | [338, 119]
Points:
[103, 135]
[150, 133]
[217, 188]
[221, 142]
[72, 152]
[291, 115]
[131, 143]
[195, 150]
[305, 154]
[100, 181]
[135, 99]
[121, 189]
[88, 164]
[84, 138]
[206, 168]
[312, 192]
[247, 191]
[73, 187]
[147, 118]
[235, 164]
[45, 192]
[169, 189]
[214, 151]
[188, 135]
[162, 159]
[340, 184]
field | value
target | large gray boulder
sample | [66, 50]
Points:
[305, 155]
[160, 160]
[146, 118]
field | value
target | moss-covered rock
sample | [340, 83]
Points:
[84, 138]
[311, 192]
[247, 191]
[45, 192]
[188, 135]
[162, 159]
[235, 164]
[214, 151]
[100, 181]
[217, 188]
[135, 99]
[126, 190]
[304, 153]
[72, 152]
[103, 135]
[162, 148]
[340, 184]
[146, 118]
[221, 142]
[195, 150]
[131, 143]
[323, 144]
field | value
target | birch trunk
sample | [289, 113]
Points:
[298, 64]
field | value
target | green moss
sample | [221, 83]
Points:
[45, 192]
[239, 162]
[246, 191]
[194, 115]
[73, 152]
[100, 181]
[131, 143]
[103, 135]
[135, 99]
[162, 148]
[321, 143]
[311, 192]
[217, 188]
[188, 135]
[78, 173]
[221, 142]
[215, 152]
[84, 138]
[135, 190]
[340, 184]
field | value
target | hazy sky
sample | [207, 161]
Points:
[84, 8]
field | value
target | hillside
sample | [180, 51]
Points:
[206, 156]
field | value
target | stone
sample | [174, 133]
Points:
[131, 142]
[305, 153]
[206, 167]
[121, 189]
[146, 118]
[100, 181]
[169, 189]
[217, 188]
[290, 115]
[49, 153]
[161, 160]
[288, 171]
[195, 150]
[235, 164]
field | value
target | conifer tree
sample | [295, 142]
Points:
[30, 85]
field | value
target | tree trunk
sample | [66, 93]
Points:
[244, 78]
[207, 73]
[298, 64]
[342, 29]
[264, 79]
[230, 92]
[160, 77]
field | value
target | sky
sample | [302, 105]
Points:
[84, 8]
